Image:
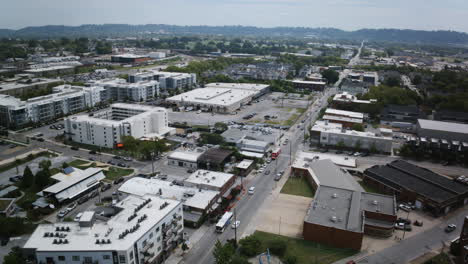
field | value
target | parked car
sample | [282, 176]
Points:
[418, 223]
[16, 178]
[267, 172]
[93, 194]
[92, 152]
[121, 164]
[117, 157]
[403, 226]
[252, 190]
[40, 139]
[404, 207]
[71, 207]
[83, 200]
[119, 180]
[404, 220]
[62, 213]
[77, 217]
[450, 228]
[105, 187]
[163, 177]
[75, 148]
[127, 158]
[111, 162]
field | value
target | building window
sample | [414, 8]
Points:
[158, 239]
[131, 255]
[61, 258]
[88, 259]
[76, 258]
[122, 258]
[159, 248]
[151, 235]
[157, 229]
[106, 256]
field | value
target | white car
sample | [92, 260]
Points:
[260, 170]
[251, 190]
[71, 207]
[235, 225]
[62, 213]
[77, 217]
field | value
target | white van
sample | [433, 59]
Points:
[251, 190]
[77, 217]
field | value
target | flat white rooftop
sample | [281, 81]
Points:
[331, 111]
[443, 126]
[242, 86]
[322, 126]
[245, 164]
[336, 159]
[210, 178]
[309, 82]
[83, 238]
[213, 96]
[190, 156]
[191, 197]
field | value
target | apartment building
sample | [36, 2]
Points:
[120, 90]
[145, 229]
[167, 80]
[64, 100]
[106, 128]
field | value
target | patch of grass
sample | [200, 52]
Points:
[442, 258]
[291, 120]
[368, 188]
[305, 251]
[80, 164]
[22, 161]
[4, 204]
[26, 201]
[114, 173]
[298, 186]
[301, 110]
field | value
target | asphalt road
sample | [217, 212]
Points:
[248, 205]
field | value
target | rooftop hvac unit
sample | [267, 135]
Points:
[334, 195]
[375, 202]
[334, 219]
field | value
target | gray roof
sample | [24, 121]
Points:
[443, 126]
[325, 172]
[336, 207]
[233, 135]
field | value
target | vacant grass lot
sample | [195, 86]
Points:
[112, 173]
[298, 186]
[307, 252]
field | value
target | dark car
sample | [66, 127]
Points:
[83, 199]
[75, 148]
[418, 223]
[111, 162]
[121, 164]
[163, 177]
[105, 187]
[92, 152]
[450, 228]
[16, 178]
[117, 157]
[267, 172]
[40, 139]
[119, 180]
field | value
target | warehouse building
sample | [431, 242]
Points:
[346, 98]
[220, 99]
[106, 128]
[64, 100]
[146, 229]
[426, 189]
[184, 159]
[211, 180]
[342, 212]
[333, 134]
[442, 130]
[72, 183]
[129, 58]
[196, 202]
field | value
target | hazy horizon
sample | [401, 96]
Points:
[343, 14]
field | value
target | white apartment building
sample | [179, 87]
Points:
[331, 134]
[106, 128]
[64, 100]
[145, 230]
[121, 90]
[167, 80]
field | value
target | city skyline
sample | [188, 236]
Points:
[342, 14]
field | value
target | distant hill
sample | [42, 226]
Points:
[115, 30]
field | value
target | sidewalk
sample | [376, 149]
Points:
[177, 255]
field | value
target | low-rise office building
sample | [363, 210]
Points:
[245, 167]
[317, 86]
[347, 98]
[211, 180]
[20, 86]
[185, 159]
[346, 118]
[214, 158]
[145, 230]
[106, 128]
[424, 188]
[196, 202]
[129, 58]
[333, 134]
[64, 100]
[402, 116]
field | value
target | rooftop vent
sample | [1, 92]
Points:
[375, 202]
[334, 195]
[334, 219]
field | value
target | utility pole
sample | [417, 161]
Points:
[235, 224]
[404, 226]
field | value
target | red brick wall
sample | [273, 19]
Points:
[333, 237]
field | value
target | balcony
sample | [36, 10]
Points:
[148, 246]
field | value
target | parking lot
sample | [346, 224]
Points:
[270, 104]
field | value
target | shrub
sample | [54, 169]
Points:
[250, 246]
[277, 247]
[290, 259]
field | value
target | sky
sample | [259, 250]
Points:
[343, 14]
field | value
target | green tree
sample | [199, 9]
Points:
[290, 259]
[417, 79]
[392, 81]
[14, 257]
[210, 138]
[341, 144]
[250, 246]
[28, 178]
[332, 76]
[220, 126]
[65, 165]
[278, 247]
[223, 253]
[373, 148]
[358, 127]
[236, 259]
[42, 179]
